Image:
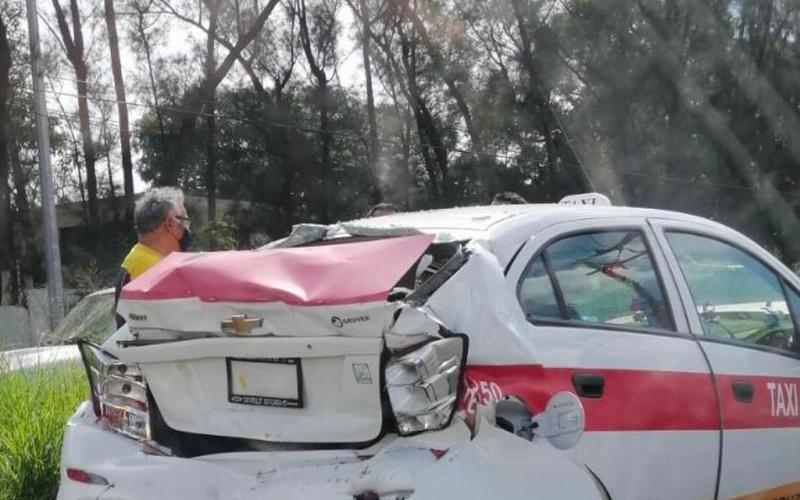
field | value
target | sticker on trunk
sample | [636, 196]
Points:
[362, 373]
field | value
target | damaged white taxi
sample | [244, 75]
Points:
[519, 351]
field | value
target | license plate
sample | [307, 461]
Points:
[276, 382]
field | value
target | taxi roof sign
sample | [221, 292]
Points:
[595, 199]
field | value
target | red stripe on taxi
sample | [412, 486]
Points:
[643, 400]
[774, 402]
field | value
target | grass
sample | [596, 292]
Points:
[34, 408]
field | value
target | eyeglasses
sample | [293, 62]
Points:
[187, 222]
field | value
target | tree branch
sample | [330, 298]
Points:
[53, 31]
[69, 45]
[243, 42]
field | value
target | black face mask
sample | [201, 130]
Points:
[185, 240]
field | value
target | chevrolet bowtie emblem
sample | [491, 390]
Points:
[240, 324]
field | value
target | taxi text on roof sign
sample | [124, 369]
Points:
[595, 199]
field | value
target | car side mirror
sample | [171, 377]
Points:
[562, 422]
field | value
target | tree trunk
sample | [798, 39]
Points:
[323, 101]
[11, 245]
[153, 88]
[396, 74]
[408, 177]
[325, 154]
[548, 125]
[88, 144]
[112, 188]
[16, 282]
[288, 172]
[211, 160]
[122, 111]
[23, 224]
[429, 135]
[6, 226]
[196, 97]
[374, 152]
[19, 183]
[441, 68]
[210, 105]
[81, 186]
[73, 44]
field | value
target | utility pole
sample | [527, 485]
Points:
[52, 253]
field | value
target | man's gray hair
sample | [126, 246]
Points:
[154, 206]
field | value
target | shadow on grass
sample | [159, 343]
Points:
[34, 408]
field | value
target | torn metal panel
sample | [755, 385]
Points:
[439, 235]
[324, 308]
[495, 464]
[301, 234]
[411, 326]
[477, 301]
[358, 228]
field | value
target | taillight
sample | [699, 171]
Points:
[119, 392]
[82, 476]
[424, 385]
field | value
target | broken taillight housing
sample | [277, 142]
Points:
[424, 385]
[119, 392]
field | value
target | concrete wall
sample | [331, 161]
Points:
[21, 327]
[15, 328]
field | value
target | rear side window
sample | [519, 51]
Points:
[736, 296]
[536, 292]
[599, 277]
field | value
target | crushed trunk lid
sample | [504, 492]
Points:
[282, 345]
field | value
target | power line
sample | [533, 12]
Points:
[177, 110]
[59, 116]
[173, 109]
[310, 129]
[301, 128]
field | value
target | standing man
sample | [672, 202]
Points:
[162, 227]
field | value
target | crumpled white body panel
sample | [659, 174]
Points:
[477, 301]
[495, 464]
[188, 377]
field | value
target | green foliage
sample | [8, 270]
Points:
[672, 104]
[36, 406]
[219, 234]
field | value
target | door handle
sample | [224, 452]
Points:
[588, 385]
[742, 391]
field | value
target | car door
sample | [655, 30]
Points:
[743, 305]
[608, 325]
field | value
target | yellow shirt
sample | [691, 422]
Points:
[140, 259]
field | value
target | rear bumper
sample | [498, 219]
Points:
[493, 464]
